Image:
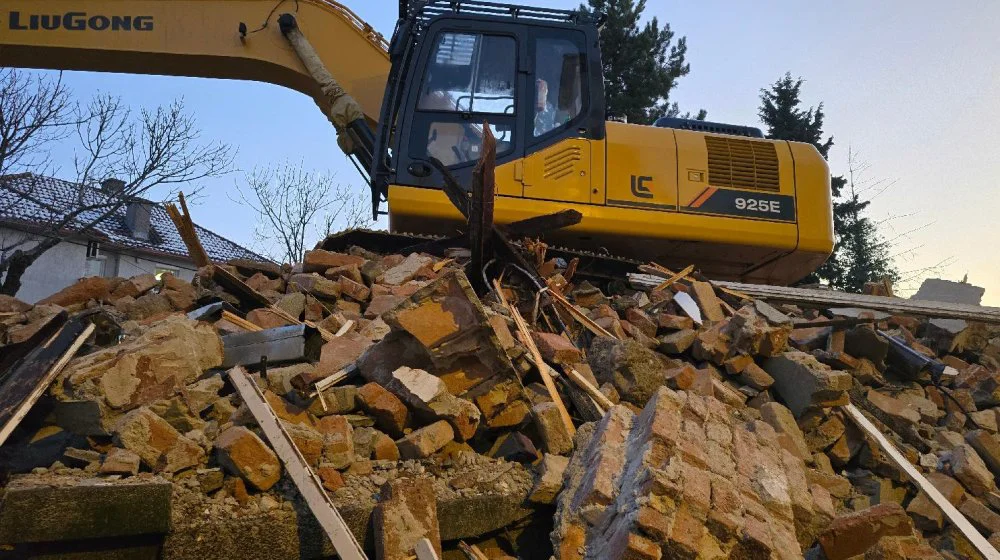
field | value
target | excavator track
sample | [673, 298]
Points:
[593, 266]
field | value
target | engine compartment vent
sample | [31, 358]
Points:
[742, 164]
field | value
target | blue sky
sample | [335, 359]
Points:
[913, 86]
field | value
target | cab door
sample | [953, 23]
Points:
[557, 163]
[468, 76]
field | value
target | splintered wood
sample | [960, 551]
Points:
[185, 227]
[27, 383]
[580, 316]
[543, 370]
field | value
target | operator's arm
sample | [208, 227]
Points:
[198, 38]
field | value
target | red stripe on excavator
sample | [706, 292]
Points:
[703, 197]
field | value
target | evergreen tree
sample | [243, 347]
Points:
[860, 254]
[641, 62]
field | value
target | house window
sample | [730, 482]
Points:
[96, 263]
[159, 271]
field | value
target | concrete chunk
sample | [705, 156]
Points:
[429, 395]
[64, 509]
[406, 513]
[802, 382]
[550, 426]
[549, 480]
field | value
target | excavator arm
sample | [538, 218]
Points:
[234, 39]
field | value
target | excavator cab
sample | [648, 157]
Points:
[533, 75]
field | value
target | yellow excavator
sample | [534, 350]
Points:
[720, 196]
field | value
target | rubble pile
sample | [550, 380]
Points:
[713, 432]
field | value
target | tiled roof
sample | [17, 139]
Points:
[33, 200]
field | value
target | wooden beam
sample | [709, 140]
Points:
[537, 225]
[543, 369]
[600, 398]
[669, 281]
[14, 353]
[952, 513]
[344, 542]
[481, 208]
[580, 316]
[29, 381]
[832, 298]
[834, 323]
[185, 227]
[241, 322]
[249, 297]
[471, 551]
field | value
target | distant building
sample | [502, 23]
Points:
[139, 238]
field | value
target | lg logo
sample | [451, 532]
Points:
[639, 189]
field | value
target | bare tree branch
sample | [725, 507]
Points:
[158, 150]
[293, 204]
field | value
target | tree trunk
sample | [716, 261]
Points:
[18, 262]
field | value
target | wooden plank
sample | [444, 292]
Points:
[832, 298]
[241, 322]
[344, 329]
[471, 551]
[14, 353]
[580, 316]
[29, 381]
[670, 281]
[250, 298]
[481, 208]
[543, 369]
[335, 378]
[185, 227]
[344, 542]
[834, 323]
[327, 335]
[952, 513]
[602, 400]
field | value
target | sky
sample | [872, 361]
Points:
[912, 87]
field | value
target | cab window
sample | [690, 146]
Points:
[470, 78]
[558, 84]
[470, 73]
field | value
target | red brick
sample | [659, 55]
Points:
[556, 348]
[641, 321]
[354, 290]
[389, 412]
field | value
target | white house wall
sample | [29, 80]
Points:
[65, 263]
[57, 268]
[134, 265]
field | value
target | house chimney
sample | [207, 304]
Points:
[137, 218]
[112, 186]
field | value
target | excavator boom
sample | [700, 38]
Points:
[235, 39]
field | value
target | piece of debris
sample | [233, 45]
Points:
[682, 419]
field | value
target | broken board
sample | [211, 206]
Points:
[305, 479]
[26, 383]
